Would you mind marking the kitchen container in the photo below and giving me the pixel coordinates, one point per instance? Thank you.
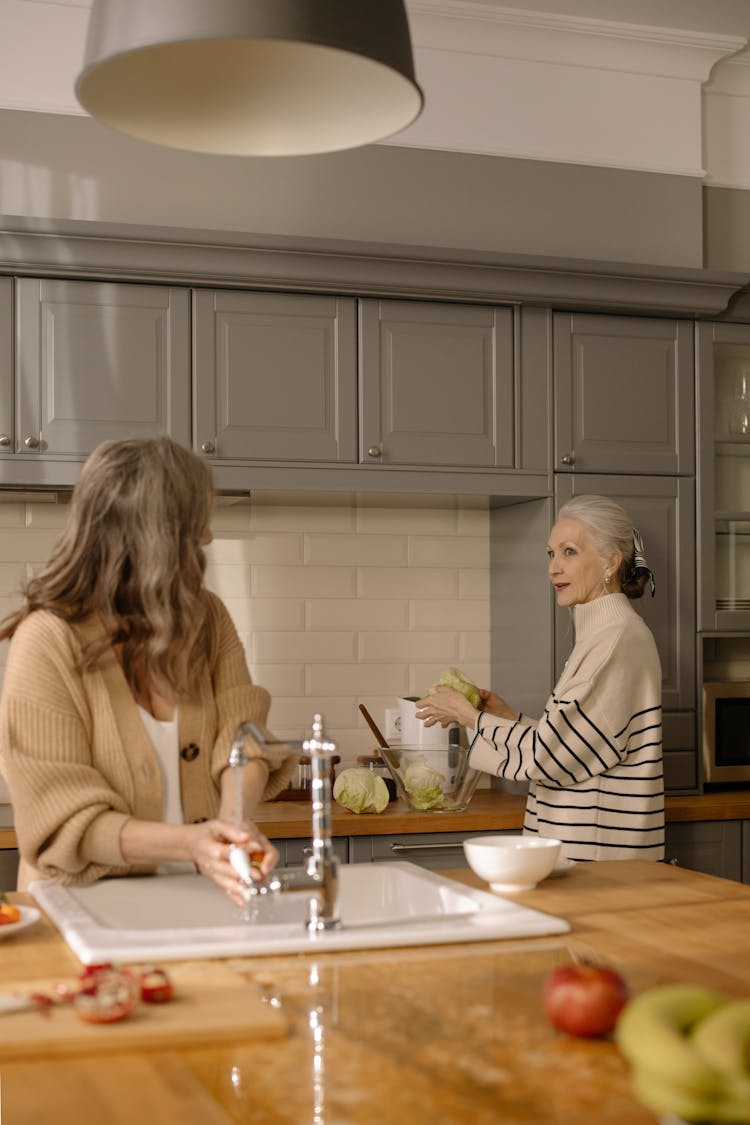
(432, 779)
(298, 788)
(512, 863)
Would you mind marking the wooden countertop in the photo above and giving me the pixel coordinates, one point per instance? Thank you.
(439, 1034)
(489, 811)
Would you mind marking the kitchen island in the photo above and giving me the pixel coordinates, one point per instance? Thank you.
(440, 1035)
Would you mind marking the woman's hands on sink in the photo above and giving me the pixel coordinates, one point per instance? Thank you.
(211, 847)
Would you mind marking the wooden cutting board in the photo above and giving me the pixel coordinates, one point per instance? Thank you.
(211, 1004)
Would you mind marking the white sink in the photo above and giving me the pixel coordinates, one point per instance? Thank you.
(177, 917)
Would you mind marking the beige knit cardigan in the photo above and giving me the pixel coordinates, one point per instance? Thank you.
(77, 758)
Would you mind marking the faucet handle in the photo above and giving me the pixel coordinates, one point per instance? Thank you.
(318, 744)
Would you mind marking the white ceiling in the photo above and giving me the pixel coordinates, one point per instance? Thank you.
(651, 85)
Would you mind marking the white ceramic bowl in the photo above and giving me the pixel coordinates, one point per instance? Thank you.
(512, 863)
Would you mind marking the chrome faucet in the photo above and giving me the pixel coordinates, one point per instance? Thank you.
(319, 878)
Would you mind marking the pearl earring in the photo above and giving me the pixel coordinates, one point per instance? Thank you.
(606, 578)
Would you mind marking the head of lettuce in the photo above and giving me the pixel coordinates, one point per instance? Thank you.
(360, 791)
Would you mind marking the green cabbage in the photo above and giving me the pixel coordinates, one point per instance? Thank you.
(360, 790)
(423, 784)
(451, 677)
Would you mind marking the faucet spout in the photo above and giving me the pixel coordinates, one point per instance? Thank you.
(320, 876)
(322, 864)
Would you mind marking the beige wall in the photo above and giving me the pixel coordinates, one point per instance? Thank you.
(335, 606)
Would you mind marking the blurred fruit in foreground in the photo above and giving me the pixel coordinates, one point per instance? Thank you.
(688, 1050)
(584, 1000)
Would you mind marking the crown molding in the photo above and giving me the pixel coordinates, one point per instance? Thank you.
(101, 252)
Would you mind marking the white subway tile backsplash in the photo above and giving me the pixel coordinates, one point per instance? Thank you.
(278, 550)
(12, 515)
(357, 613)
(11, 577)
(335, 605)
(474, 521)
(279, 519)
(278, 647)
(406, 582)
(229, 581)
(407, 521)
(26, 544)
(280, 614)
(304, 581)
(356, 550)
(284, 681)
(474, 583)
(47, 515)
(293, 718)
(410, 647)
(450, 613)
(474, 648)
(271, 613)
(355, 679)
(467, 551)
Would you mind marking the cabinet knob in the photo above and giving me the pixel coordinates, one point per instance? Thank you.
(375, 451)
(208, 447)
(4, 440)
(568, 459)
(31, 442)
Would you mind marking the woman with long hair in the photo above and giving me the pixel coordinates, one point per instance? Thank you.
(125, 683)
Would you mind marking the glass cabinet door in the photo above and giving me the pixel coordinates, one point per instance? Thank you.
(724, 510)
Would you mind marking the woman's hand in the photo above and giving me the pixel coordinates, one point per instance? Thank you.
(493, 704)
(210, 845)
(446, 706)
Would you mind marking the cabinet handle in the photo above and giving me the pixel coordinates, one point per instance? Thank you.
(568, 459)
(423, 847)
(4, 440)
(375, 451)
(208, 447)
(31, 442)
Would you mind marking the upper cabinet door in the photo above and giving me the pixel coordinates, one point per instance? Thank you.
(436, 384)
(663, 509)
(6, 366)
(624, 395)
(100, 360)
(274, 376)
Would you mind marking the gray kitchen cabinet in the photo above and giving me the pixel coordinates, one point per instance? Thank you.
(294, 852)
(711, 846)
(274, 377)
(624, 394)
(7, 429)
(436, 384)
(724, 481)
(662, 509)
(436, 850)
(98, 360)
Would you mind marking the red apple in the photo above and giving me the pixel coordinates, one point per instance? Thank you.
(584, 1000)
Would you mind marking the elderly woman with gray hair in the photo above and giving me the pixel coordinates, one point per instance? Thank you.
(594, 759)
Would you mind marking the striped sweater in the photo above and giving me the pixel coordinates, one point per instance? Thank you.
(594, 759)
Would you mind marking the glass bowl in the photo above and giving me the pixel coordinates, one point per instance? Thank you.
(433, 779)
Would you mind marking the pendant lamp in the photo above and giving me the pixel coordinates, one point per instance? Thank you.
(251, 77)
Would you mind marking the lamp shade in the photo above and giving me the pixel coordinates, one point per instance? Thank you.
(251, 77)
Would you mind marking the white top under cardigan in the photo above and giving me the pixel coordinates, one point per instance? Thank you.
(164, 738)
(594, 759)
